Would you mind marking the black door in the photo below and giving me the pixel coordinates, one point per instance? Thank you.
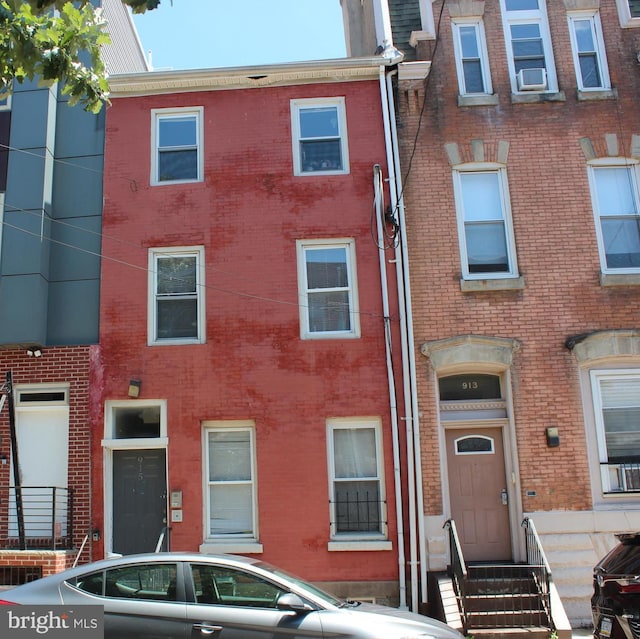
(139, 499)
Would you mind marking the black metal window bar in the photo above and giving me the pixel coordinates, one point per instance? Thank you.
(502, 595)
(620, 477)
(358, 512)
(36, 518)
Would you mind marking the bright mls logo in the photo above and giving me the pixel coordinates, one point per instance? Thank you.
(52, 622)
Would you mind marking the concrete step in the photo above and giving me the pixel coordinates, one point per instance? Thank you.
(511, 633)
(507, 618)
(509, 601)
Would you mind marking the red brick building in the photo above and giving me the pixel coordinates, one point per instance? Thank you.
(250, 403)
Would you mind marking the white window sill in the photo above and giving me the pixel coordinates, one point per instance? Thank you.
(502, 284)
(619, 279)
(535, 97)
(478, 100)
(600, 94)
(249, 547)
(359, 545)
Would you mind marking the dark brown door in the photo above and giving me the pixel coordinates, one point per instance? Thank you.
(478, 493)
(139, 499)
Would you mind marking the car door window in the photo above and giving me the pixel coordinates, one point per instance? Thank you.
(156, 582)
(229, 587)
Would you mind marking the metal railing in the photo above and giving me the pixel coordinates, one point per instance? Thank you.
(502, 595)
(36, 518)
(539, 565)
(621, 477)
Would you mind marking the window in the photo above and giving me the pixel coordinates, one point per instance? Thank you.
(230, 481)
(528, 40)
(230, 587)
(629, 12)
(319, 135)
(472, 63)
(588, 51)
(176, 306)
(487, 245)
(327, 289)
(155, 582)
(357, 500)
(5, 103)
(176, 146)
(616, 207)
(616, 397)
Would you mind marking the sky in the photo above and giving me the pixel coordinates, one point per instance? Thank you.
(194, 34)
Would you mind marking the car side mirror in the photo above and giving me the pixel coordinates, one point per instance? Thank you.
(291, 601)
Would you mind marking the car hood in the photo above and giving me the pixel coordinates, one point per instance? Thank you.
(398, 622)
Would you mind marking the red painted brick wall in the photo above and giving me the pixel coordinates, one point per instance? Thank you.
(248, 214)
(555, 240)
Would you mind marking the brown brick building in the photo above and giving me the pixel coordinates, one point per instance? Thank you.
(519, 137)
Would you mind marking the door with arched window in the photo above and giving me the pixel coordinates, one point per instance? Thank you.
(473, 413)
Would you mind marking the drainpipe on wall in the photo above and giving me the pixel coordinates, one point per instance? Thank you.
(397, 479)
(414, 458)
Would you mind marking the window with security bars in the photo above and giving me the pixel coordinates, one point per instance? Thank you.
(319, 136)
(357, 495)
(616, 396)
(177, 296)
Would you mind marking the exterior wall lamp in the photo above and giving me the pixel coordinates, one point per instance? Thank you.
(34, 351)
(134, 388)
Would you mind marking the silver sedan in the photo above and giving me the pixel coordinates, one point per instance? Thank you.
(189, 595)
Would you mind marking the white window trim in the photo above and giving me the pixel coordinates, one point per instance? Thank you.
(7, 105)
(354, 312)
(357, 541)
(478, 23)
(111, 442)
(626, 21)
(595, 376)
(159, 114)
(634, 167)
(198, 251)
(229, 543)
(487, 167)
(300, 104)
(528, 17)
(601, 54)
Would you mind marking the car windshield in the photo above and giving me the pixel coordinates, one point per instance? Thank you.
(318, 592)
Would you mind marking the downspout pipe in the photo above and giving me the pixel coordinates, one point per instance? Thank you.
(414, 458)
(378, 187)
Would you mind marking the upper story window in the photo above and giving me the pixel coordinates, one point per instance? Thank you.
(472, 62)
(176, 295)
(327, 289)
(629, 12)
(616, 205)
(616, 398)
(319, 136)
(589, 55)
(529, 52)
(176, 146)
(485, 230)
(357, 498)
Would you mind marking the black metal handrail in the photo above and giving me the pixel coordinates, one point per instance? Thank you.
(36, 517)
(458, 569)
(538, 561)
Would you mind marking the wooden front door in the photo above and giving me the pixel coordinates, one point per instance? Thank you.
(139, 499)
(478, 493)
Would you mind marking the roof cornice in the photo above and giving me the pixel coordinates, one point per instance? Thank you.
(185, 81)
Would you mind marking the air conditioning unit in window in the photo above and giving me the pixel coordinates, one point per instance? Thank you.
(532, 79)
